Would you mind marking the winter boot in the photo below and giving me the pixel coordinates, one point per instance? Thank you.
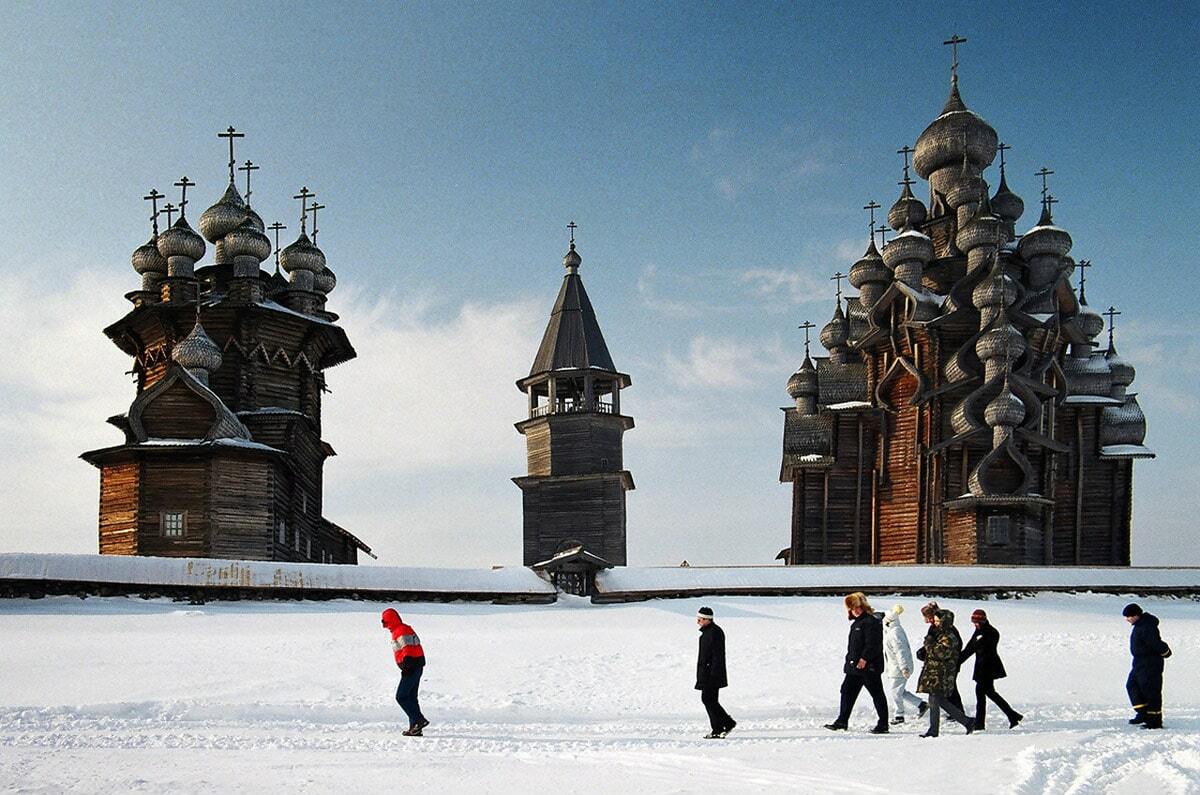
(1153, 720)
(415, 731)
(880, 728)
(836, 727)
(896, 721)
(729, 727)
(1014, 719)
(714, 736)
(422, 723)
(1138, 718)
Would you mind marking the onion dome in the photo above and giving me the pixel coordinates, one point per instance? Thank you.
(836, 332)
(1045, 238)
(1002, 342)
(1088, 320)
(572, 260)
(197, 351)
(181, 241)
(953, 134)
(967, 187)
(302, 255)
(255, 219)
(147, 259)
(869, 268)
(1005, 409)
(803, 382)
(246, 241)
(224, 216)
(907, 246)
(1122, 371)
(982, 229)
(325, 281)
(1006, 204)
(908, 212)
(997, 289)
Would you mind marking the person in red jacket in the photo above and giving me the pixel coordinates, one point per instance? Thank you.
(410, 657)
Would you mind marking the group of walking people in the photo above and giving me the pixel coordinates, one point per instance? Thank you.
(878, 659)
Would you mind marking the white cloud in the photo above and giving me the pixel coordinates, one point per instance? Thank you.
(736, 164)
(722, 363)
(788, 286)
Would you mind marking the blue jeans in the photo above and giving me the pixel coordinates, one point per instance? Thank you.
(406, 695)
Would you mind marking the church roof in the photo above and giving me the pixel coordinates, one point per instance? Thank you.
(573, 339)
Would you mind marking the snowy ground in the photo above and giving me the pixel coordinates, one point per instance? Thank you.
(119, 695)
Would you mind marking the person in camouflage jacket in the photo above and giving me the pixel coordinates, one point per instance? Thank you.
(938, 676)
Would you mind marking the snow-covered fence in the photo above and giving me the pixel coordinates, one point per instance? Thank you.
(630, 584)
(27, 574)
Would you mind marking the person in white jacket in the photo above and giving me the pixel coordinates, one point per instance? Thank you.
(898, 665)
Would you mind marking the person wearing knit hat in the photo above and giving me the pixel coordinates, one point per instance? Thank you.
(898, 666)
(711, 675)
(927, 612)
(1145, 681)
(864, 664)
(988, 668)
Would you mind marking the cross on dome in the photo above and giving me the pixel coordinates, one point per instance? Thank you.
(153, 196)
(277, 228)
(248, 168)
(184, 183)
(231, 133)
(169, 209)
(837, 277)
(572, 226)
(872, 206)
(806, 325)
(954, 41)
(313, 210)
(1112, 314)
(304, 195)
(1083, 265)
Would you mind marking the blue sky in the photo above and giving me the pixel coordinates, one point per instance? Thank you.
(715, 158)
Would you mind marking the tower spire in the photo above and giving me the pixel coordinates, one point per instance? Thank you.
(231, 133)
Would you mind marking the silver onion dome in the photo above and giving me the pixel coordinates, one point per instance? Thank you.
(1002, 342)
(181, 241)
(197, 351)
(147, 259)
(325, 281)
(869, 268)
(956, 132)
(997, 289)
(1045, 238)
(836, 332)
(302, 255)
(1004, 409)
(1007, 204)
(255, 219)
(803, 382)
(907, 246)
(246, 241)
(572, 260)
(1089, 320)
(224, 216)
(1122, 371)
(908, 212)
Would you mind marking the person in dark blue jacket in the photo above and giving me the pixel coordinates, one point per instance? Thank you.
(1146, 674)
(711, 675)
(864, 664)
(988, 668)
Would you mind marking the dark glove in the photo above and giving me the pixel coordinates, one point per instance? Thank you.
(921, 654)
(1166, 653)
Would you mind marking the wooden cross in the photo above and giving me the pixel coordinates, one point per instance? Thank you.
(248, 168)
(572, 226)
(153, 196)
(837, 277)
(184, 183)
(872, 206)
(169, 210)
(231, 134)
(1049, 202)
(806, 325)
(1045, 172)
(1002, 148)
(883, 229)
(1112, 313)
(276, 227)
(304, 196)
(313, 210)
(1083, 265)
(906, 151)
(954, 41)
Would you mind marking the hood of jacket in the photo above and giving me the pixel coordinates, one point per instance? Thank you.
(945, 620)
(391, 619)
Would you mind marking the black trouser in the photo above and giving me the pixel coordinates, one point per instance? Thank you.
(718, 718)
(1145, 691)
(985, 689)
(406, 694)
(955, 699)
(852, 685)
(937, 703)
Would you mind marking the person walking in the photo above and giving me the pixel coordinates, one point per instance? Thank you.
(711, 675)
(410, 657)
(941, 648)
(927, 613)
(1145, 681)
(988, 668)
(898, 665)
(864, 664)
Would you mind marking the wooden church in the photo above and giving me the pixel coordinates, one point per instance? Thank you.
(222, 453)
(966, 412)
(573, 496)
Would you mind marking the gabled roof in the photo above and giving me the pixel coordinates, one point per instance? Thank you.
(573, 339)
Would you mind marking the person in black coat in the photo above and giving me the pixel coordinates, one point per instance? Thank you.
(927, 612)
(864, 664)
(710, 674)
(1146, 675)
(988, 668)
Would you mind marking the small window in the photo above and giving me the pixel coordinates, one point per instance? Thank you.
(297, 539)
(303, 503)
(282, 532)
(173, 524)
(308, 548)
(998, 530)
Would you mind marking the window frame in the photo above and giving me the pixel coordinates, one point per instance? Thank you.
(165, 525)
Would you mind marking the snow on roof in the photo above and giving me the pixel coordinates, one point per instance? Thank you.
(243, 443)
(849, 404)
(1092, 400)
(198, 572)
(1130, 450)
(743, 579)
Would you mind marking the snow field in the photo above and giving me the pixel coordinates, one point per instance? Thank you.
(119, 695)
